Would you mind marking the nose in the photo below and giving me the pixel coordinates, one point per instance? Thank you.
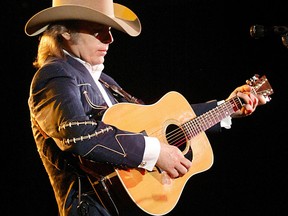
(105, 37)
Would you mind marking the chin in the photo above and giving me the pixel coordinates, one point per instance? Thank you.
(98, 61)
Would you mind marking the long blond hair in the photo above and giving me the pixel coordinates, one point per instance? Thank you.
(51, 41)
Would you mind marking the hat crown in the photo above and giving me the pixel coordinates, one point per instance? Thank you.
(100, 11)
(103, 6)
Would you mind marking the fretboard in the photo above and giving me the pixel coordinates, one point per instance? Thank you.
(210, 118)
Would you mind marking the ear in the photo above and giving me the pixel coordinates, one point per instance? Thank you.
(66, 35)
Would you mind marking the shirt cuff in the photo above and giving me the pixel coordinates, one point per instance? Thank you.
(226, 122)
(151, 153)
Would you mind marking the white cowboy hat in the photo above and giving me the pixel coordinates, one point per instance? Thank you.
(101, 11)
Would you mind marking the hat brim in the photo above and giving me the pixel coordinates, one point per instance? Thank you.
(123, 20)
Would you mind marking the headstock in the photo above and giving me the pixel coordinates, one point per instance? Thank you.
(261, 86)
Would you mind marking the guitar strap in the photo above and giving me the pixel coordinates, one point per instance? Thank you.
(117, 91)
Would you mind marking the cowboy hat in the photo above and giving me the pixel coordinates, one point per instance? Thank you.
(101, 11)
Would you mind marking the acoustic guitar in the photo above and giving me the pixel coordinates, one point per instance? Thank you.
(172, 120)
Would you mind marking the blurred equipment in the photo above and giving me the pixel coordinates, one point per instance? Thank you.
(259, 31)
(284, 39)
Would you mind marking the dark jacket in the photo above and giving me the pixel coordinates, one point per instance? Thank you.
(66, 108)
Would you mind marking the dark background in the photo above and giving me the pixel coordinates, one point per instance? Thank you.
(200, 48)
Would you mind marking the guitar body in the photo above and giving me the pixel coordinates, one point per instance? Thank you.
(153, 191)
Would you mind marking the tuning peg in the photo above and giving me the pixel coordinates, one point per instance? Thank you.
(252, 80)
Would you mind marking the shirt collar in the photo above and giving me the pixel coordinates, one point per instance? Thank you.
(95, 70)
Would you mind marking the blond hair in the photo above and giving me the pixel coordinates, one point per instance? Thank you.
(51, 41)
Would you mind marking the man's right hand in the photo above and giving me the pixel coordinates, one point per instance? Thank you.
(172, 161)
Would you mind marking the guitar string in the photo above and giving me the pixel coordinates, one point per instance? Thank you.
(190, 129)
(196, 128)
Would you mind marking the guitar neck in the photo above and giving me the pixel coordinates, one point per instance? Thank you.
(210, 118)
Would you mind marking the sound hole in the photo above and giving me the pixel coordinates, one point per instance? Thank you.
(175, 136)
